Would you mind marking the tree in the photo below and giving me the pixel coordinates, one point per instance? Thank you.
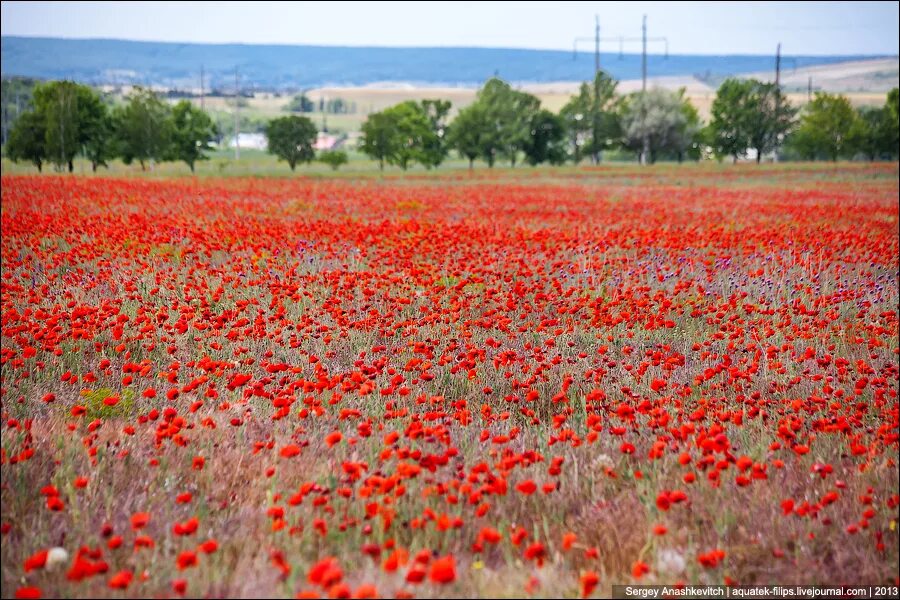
(662, 118)
(291, 139)
(591, 119)
(547, 142)
(748, 113)
(26, 139)
(96, 132)
(870, 134)
(509, 113)
(468, 134)
(875, 131)
(57, 103)
(435, 147)
(143, 128)
(729, 120)
(378, 138)
(412, 131)
(405, 133)
(333, 158)
(192, 132)
(826, 127)
(770, 117)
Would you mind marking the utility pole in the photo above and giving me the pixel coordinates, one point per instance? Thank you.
(596, 44)
(778, 66)
(645, 152)
(809, 90)
(237, 125)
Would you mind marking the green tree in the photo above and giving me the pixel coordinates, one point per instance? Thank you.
(871, 133)
(826, 127)
(510, 113)
(333, 158)
(96, 131)
(748, 113)
(26, 141)
(662, 118)
(547, 142)
(291, 139)
(591, 118)
(378, 137)
(405, 133)
(435, 147)
(729, 123)
(57, 103)
(413, 134)
(770, 116)
(143, 128)
(192, 132)
(469, 135)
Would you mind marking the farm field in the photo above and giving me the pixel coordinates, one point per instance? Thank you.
(505, 383)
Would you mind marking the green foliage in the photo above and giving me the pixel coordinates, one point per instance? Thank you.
(378, 139)
(875, 132)
(75, 120)
(333, 158)
(509, 113)
(96, 131)
(591, 119)
(26, 140)
(547, 140)
(143, 128)
(728, 126)
(747, 113)
(435, 147)
(192, 131)
(664, 118)
(291, 139)
(826, 128)
(471, 135)
(407, 132)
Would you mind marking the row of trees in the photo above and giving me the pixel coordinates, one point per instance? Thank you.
(69, 119)
(508, 124)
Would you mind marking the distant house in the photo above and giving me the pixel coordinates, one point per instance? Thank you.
(249, 141)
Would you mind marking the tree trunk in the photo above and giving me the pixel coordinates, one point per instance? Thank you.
(143, 168)
(471, 163)
(71, 167)
(39, 166)
(734, 159)
(93, 166)
(191, 165)
(758, 157)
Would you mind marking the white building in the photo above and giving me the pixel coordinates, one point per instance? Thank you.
(250, 141)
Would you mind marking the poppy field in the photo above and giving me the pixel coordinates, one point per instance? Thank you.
(513, 384)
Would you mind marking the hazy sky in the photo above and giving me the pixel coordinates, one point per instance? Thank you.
(691, 27)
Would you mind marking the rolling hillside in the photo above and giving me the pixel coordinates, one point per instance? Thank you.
(104, 61)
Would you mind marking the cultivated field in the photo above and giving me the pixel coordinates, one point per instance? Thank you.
(535, 382)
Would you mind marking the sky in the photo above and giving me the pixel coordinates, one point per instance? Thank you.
(803, 28)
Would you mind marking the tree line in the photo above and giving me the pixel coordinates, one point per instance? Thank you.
(68, 119)
(508, 124)
(502, 124)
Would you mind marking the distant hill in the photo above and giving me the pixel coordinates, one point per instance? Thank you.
(103, 61)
